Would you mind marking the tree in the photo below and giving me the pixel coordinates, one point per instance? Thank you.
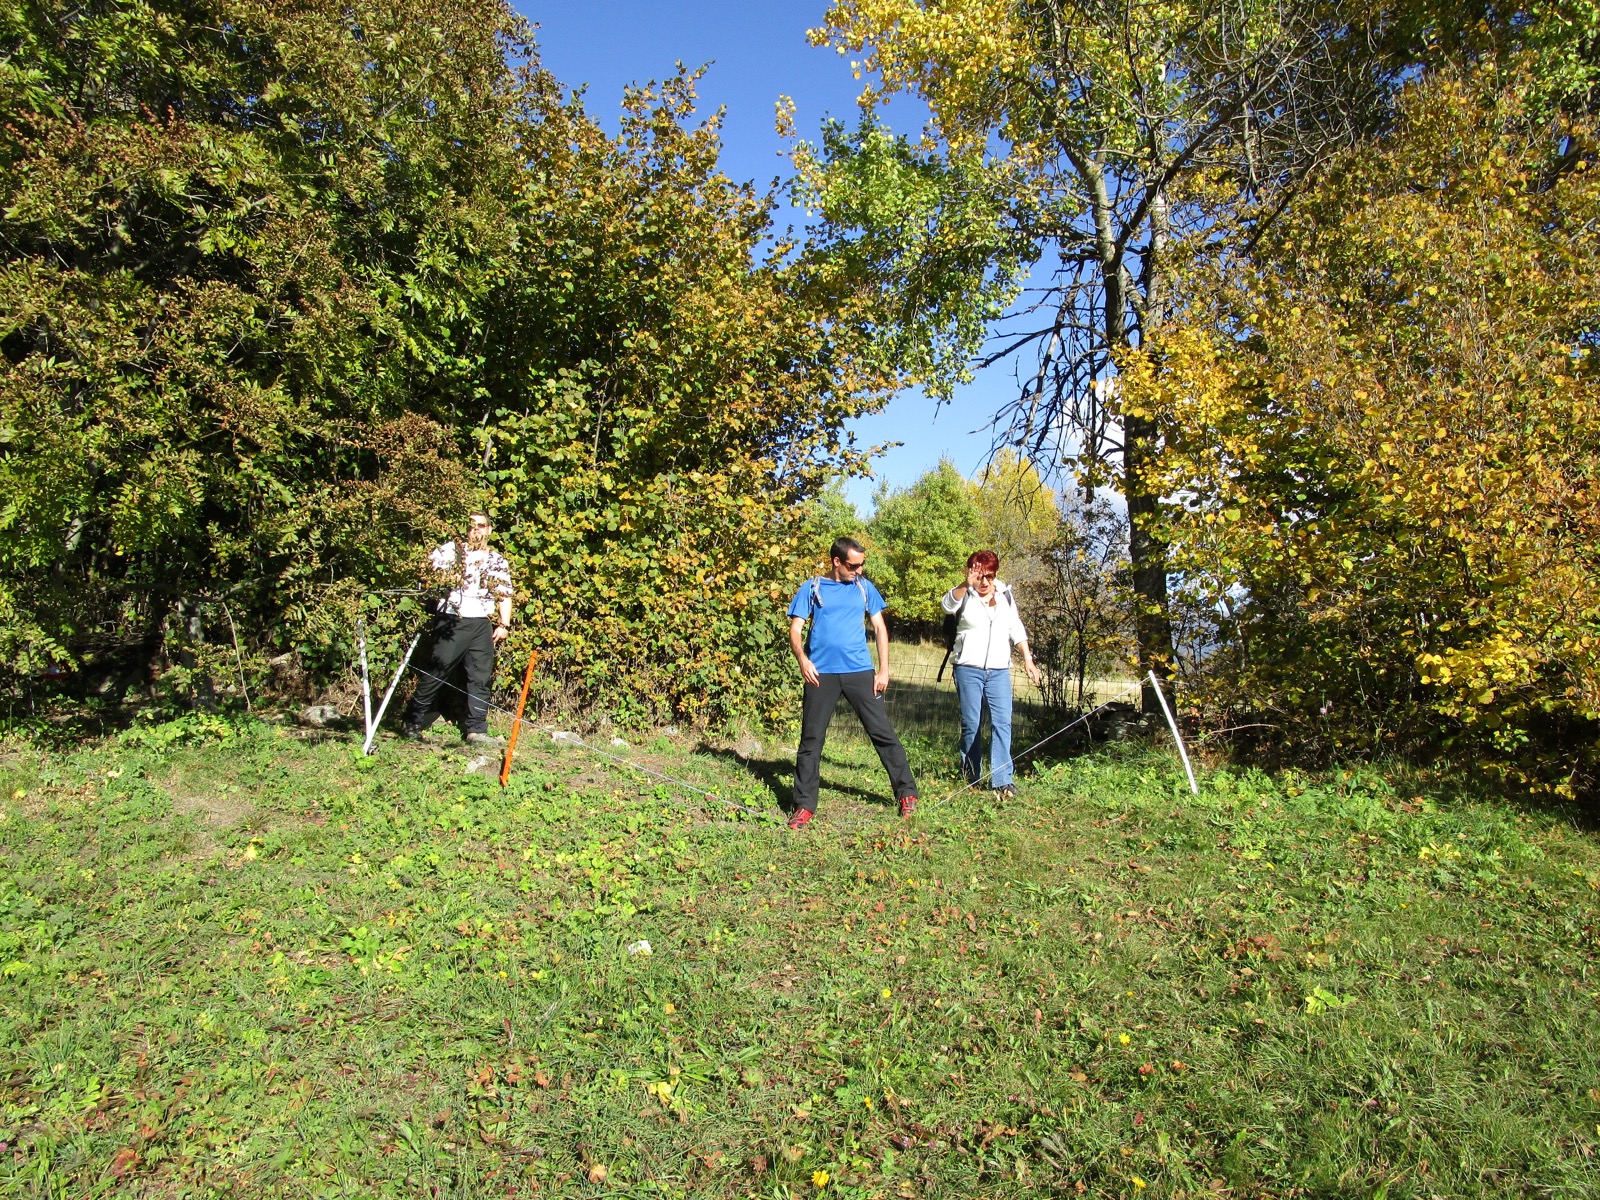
(1017, 514)
(1385, 423)
(921, 537)
(290, 286)
(830, 517)
(238, 253)
(1081, 610)
(666, 397)
(1112, 130)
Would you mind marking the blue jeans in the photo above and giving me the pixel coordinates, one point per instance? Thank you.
(976, 690)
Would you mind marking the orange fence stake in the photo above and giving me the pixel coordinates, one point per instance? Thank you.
(516, 726)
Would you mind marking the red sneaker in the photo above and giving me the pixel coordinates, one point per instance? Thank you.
(801, 818)
(908, 805)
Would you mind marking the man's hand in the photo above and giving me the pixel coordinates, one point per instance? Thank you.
(797, 644)
(500, 634)
(880, 633)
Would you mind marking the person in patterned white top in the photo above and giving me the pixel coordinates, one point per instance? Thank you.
(471, 622)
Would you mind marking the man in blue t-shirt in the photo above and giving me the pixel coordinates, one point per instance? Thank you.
(834, 662)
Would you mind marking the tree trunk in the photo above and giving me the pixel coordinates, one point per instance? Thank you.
(1147, 555)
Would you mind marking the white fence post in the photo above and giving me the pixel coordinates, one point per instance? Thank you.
(1176, 736)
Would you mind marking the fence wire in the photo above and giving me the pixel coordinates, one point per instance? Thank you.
(921, 700)
(922, 706)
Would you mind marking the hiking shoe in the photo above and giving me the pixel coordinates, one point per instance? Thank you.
(410, 733)
(485, 739)
(908, 805)
(1005, 792)
(802, 817)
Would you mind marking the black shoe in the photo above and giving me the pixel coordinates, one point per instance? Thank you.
(411, 733)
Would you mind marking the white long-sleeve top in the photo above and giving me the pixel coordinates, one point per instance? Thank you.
(986, 633)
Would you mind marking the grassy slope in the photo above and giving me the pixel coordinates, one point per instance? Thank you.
(259, 967)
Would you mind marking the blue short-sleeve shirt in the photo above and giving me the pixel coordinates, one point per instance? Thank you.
(838, 642)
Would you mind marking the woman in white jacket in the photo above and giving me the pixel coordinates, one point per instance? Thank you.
(988, 626)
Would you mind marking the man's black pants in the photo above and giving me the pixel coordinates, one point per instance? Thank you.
(468, 641)
(816, 711)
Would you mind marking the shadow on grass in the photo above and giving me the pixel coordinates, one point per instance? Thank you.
(777, 774)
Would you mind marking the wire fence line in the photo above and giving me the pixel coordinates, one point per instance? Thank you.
(921, 699)
(923, 705)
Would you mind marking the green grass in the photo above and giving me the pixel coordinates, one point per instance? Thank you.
(250, 964)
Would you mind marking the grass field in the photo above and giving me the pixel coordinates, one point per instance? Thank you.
(243, 962)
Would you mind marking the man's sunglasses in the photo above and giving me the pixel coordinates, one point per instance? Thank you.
(850, 566)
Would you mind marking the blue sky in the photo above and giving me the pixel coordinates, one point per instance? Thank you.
(757, 52)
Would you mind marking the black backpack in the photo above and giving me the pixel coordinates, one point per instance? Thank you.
(952, 623)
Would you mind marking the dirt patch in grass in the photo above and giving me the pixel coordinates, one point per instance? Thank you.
(216, 810)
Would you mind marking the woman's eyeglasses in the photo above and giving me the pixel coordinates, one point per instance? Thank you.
(986, 578)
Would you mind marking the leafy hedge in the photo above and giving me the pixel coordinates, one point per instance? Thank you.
(288, 287)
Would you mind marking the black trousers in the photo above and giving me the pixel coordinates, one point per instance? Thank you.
(468, 641)
(816, 712)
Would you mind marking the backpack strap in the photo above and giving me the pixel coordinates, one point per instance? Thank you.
(816, 593)
(953, 622)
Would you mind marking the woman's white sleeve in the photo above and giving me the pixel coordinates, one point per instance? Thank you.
(1019, 634)
(949, 603)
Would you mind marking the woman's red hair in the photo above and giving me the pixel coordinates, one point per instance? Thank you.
(988, 560)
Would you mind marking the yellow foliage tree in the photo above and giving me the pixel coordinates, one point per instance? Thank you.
(1017, 513)
(1383, 424)
(1110, 130)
